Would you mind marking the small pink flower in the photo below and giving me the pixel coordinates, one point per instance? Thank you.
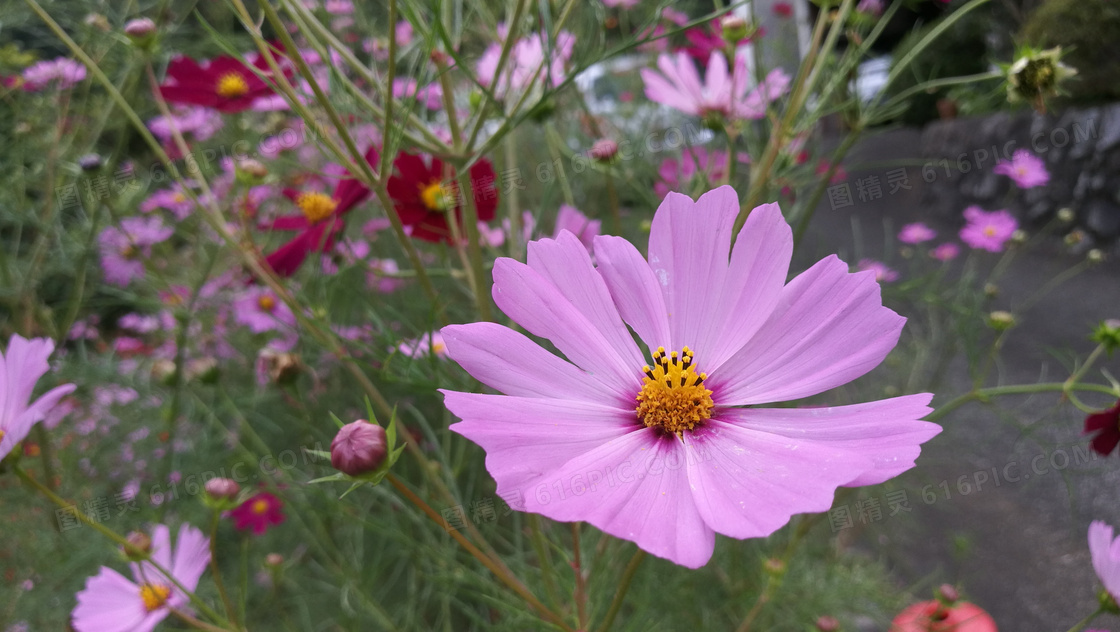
(945, 252)
(1025, 169)
(883, 274)
(20, 368)
(258, 513)
(431, 95)
(259, 309)
(112, 603)
(782, 9)
(570, 219)
(916, 233)
(987, 230)
(61, 72)
(124, 249)
(871, 7)
(680, 175)
(527, 63)
(722, 94)
(428, 344)
(194, 121)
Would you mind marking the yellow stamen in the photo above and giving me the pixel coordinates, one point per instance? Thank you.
(154, 595)
(260, 507)
(232, 85)
(266, 303)
(316, 207)
(673, 397)
(178, 198)
(989, 231)
(129, 252)
(434, 197)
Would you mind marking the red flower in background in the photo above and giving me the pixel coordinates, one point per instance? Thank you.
(258, 513)
(320, 223)
(423, 193)
(1107, 424)
(223, 83)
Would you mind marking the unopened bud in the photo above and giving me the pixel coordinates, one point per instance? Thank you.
(604, 150)
(991, 290)
(828, 624)
(139, 545)
(204, 370)
(98, 21)
(774, 566)
(90, 162)
(222, 489)
(1074, 237)
(358, 448)
(273, 560)
(1019, 237)
(1066, 215)
(734, 28)
(1107, 334)
(1001, 320)
(140, 28)
(439, 57)
(947, 594)
(250, 171)
(281, 367)
(163, 370)
(1094, 256)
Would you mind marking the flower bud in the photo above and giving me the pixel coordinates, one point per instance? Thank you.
(140, 28)
(97, 21)
(139, 546)
(947, 594)
(1066, 215)
(734, 28)
(774, 567)
(1094, 256)
(358, 448)
(604, 150)
(1019, 237)
(222, 489)
(1107, 334)
(249, 171)
(828, 624)
(272, 560)
(1001, 320)
(991, 290)
(163, 370)
(1074, 237)
(90, 162)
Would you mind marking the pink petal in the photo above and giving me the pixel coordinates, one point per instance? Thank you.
(509, 362)
(689, 244)
(634, 289)
(759, 265)
(110, 603)
(533, 302)
(635, 488)
(565, 262)
(1102, 549)
(887, 432)
(192, 554)
(829, 328)
(747, 484)
(660, 90)
(526, 438)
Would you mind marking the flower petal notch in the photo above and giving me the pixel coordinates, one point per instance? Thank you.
(653, 442)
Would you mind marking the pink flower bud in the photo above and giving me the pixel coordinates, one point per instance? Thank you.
(222, 488)
(358, 448)
(140, 27)
(604, 150)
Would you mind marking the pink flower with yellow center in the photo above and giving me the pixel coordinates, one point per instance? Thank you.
(21, 366)
(111, 602)
(663, 441)
(1025, 169)
(987, 230)
(258, 513)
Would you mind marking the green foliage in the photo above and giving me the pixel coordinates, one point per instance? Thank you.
(1090, 31)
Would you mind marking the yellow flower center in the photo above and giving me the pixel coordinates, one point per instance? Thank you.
(266, 303)
(989, 231)
(232, 85)
(673, 397)
(316, 207)
(260, 507)
(154, 595)
(434, 197)
(129, 252)
(178, 198)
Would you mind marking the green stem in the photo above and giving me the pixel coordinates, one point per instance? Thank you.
(1020, 389)
(216, 572)
(1080, 625)
(580, 591)
(621, 590)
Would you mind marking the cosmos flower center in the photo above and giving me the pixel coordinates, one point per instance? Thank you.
(260, 507)
(433, 196)
(316, 207)
(232, 85)
(154, 595)
(266, 303)
(129, 251)
(673, 397)
(178, 198)
(989, 231)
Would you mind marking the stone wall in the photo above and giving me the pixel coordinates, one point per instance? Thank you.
(1081, 149)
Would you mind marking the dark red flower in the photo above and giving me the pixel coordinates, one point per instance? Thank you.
(1107, 424)
(708, 39)
(224, 83)
(320, 223)
(258, 513)
(422, 194)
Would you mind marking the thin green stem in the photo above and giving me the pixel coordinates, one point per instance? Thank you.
(623, 587)
(1020, 389)
(1080, 625)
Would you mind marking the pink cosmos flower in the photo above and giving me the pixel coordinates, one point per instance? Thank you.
(430, 95)
(883, 274)
(669, 451)
(782, 9)
(124, 249)
(527, 64)
(987, 230)
(62, 73)
(678, 174)
(1105, 551)
(916, 233)
(870, 7)
(20, 368)
(259, 309)
(194, 121)
(945, 252)
(572, 220)
(258, 513)
(1025, 169)
(722, 94)
(428, 344)
(111, 602)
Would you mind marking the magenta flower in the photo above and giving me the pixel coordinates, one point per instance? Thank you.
(196, 121)
(1025, 169)
(258, 513)
(1105, 551)
(111, 602)
(677, 175)
(987, 230)
(723, 95)
(124, 249)
(945, 252)
(62, 73)
(916, 233)
(20, 368)
(883, 274)
(259, 309)
(665, 452)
